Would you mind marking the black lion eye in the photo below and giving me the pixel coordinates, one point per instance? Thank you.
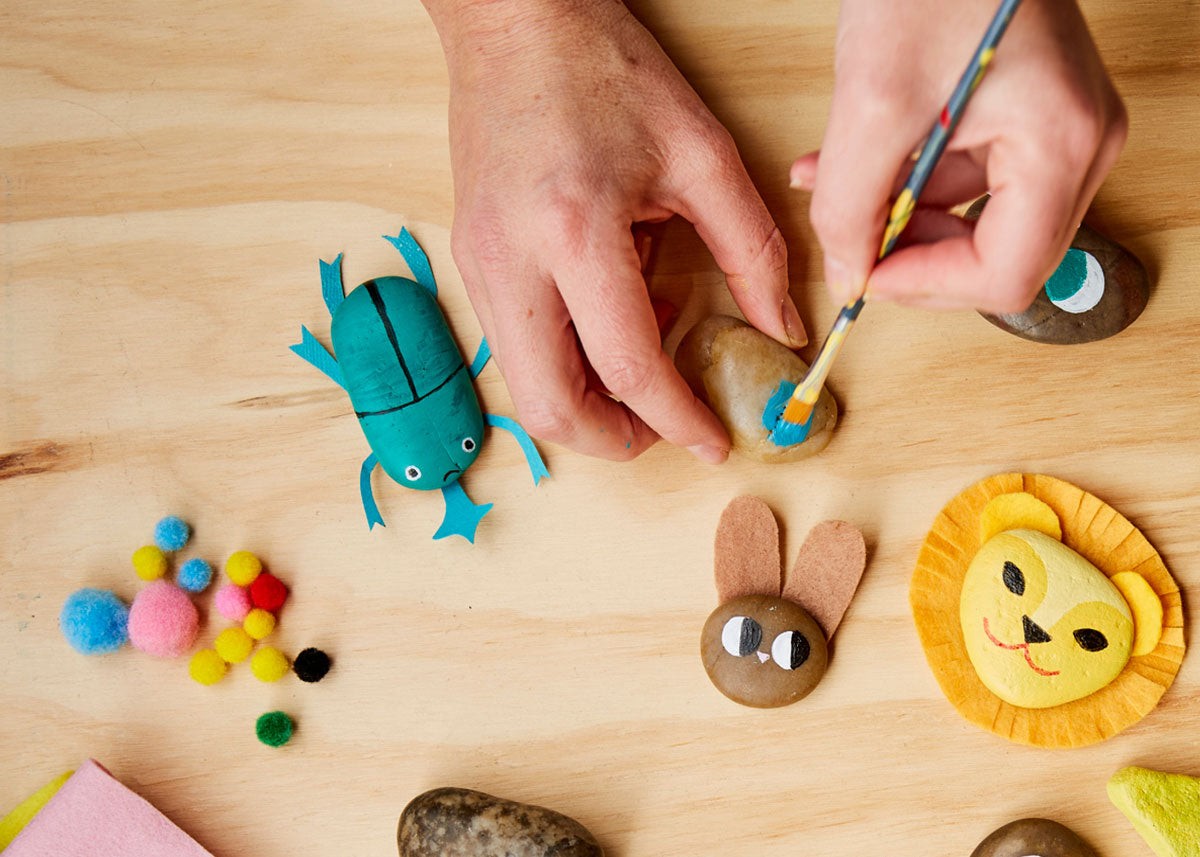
(1091, 640)
(741, 636)
(1014, 579)
(790, 650)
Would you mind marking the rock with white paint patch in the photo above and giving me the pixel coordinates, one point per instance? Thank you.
(455, 822)
(1098, 290)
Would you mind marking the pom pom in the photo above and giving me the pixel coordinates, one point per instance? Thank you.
(94, 621)
(274, 728)
(234, 645)
(242, 567)
(268, 592)
(207, 667)
(311, 665)
(149, 563)
(269, 664)
(259, 623)
(194, 575)
(163, 620)
(233, 602)
(172, 533)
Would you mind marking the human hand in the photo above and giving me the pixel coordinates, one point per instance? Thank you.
(1039, 135)
(568, 124)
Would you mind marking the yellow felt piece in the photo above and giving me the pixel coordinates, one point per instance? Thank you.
(1018, 511)
(1147, 610)
(1108, 541)
(1164, 809)
(1026, 645)
(15, 821)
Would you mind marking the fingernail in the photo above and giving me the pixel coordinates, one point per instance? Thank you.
(709, 454)
(799, 182)
(792, 325)
(842, 283)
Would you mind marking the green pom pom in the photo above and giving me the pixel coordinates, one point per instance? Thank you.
(274, 728)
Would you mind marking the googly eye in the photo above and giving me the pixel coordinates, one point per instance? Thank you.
(1014, 579)
(412, 473)
(468, 444)
(741, 636)
(1077, 284)
(1091, 640)
(790, 650)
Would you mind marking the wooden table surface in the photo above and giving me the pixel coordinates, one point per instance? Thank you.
(170, 175)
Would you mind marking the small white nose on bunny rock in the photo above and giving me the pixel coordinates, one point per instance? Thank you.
(763, 657)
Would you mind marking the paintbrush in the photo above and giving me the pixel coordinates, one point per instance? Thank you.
(792, 421)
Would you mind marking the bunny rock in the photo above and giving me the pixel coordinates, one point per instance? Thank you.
(766, 645)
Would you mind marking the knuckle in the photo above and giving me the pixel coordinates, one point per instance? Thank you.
(482, 239)
(772, 255)
(546, 419)
(564, 220)
(626, 373)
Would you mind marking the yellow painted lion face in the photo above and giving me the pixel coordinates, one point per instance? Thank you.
(1042, 625)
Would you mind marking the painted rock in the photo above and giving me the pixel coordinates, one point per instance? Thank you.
(1033, 837)
(453, 822)
(763, 651)
(1098, 290)
(736, 369)
(1164, 809)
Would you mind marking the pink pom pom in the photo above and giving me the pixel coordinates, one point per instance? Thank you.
(233, 602)
(163, 620)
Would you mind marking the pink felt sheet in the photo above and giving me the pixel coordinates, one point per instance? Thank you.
(93, 815)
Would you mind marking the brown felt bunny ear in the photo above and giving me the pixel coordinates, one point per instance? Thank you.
(827, 572)
(746, 556)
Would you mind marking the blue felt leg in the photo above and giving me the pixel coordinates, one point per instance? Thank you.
(314, 352)
(417, 261)
(331, 284)
(368, 496)
(537, 467)
(462, 515)
(482, 356)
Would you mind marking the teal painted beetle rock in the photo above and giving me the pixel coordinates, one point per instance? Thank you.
(409, 385)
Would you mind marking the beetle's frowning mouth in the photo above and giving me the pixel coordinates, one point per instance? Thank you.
(451, 472)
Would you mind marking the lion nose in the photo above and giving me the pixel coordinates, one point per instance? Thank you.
(1033, 631)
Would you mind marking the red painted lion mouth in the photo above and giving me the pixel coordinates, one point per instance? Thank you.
(1022, 647)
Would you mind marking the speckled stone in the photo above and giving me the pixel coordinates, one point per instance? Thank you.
(735, 368)
(1126, 293)
(454, 822)
(1033, 837)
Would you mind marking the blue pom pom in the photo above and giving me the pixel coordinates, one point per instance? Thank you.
(172, 533)
(194, 575)
(94, 621)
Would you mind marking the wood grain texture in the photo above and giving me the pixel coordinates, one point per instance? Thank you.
(169, 176)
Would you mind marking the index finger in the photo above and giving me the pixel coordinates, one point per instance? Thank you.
(604, 291)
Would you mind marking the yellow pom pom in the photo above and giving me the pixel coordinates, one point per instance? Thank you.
(234, 645)
(242, 567)
(149, 562)
(207, 667)
(269, 664)
(259, 623)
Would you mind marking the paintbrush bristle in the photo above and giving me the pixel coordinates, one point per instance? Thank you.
(797, 412)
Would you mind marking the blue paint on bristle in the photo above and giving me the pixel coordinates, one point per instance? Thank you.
(779, 431)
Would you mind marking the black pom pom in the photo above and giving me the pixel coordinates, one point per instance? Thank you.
(311, 665)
